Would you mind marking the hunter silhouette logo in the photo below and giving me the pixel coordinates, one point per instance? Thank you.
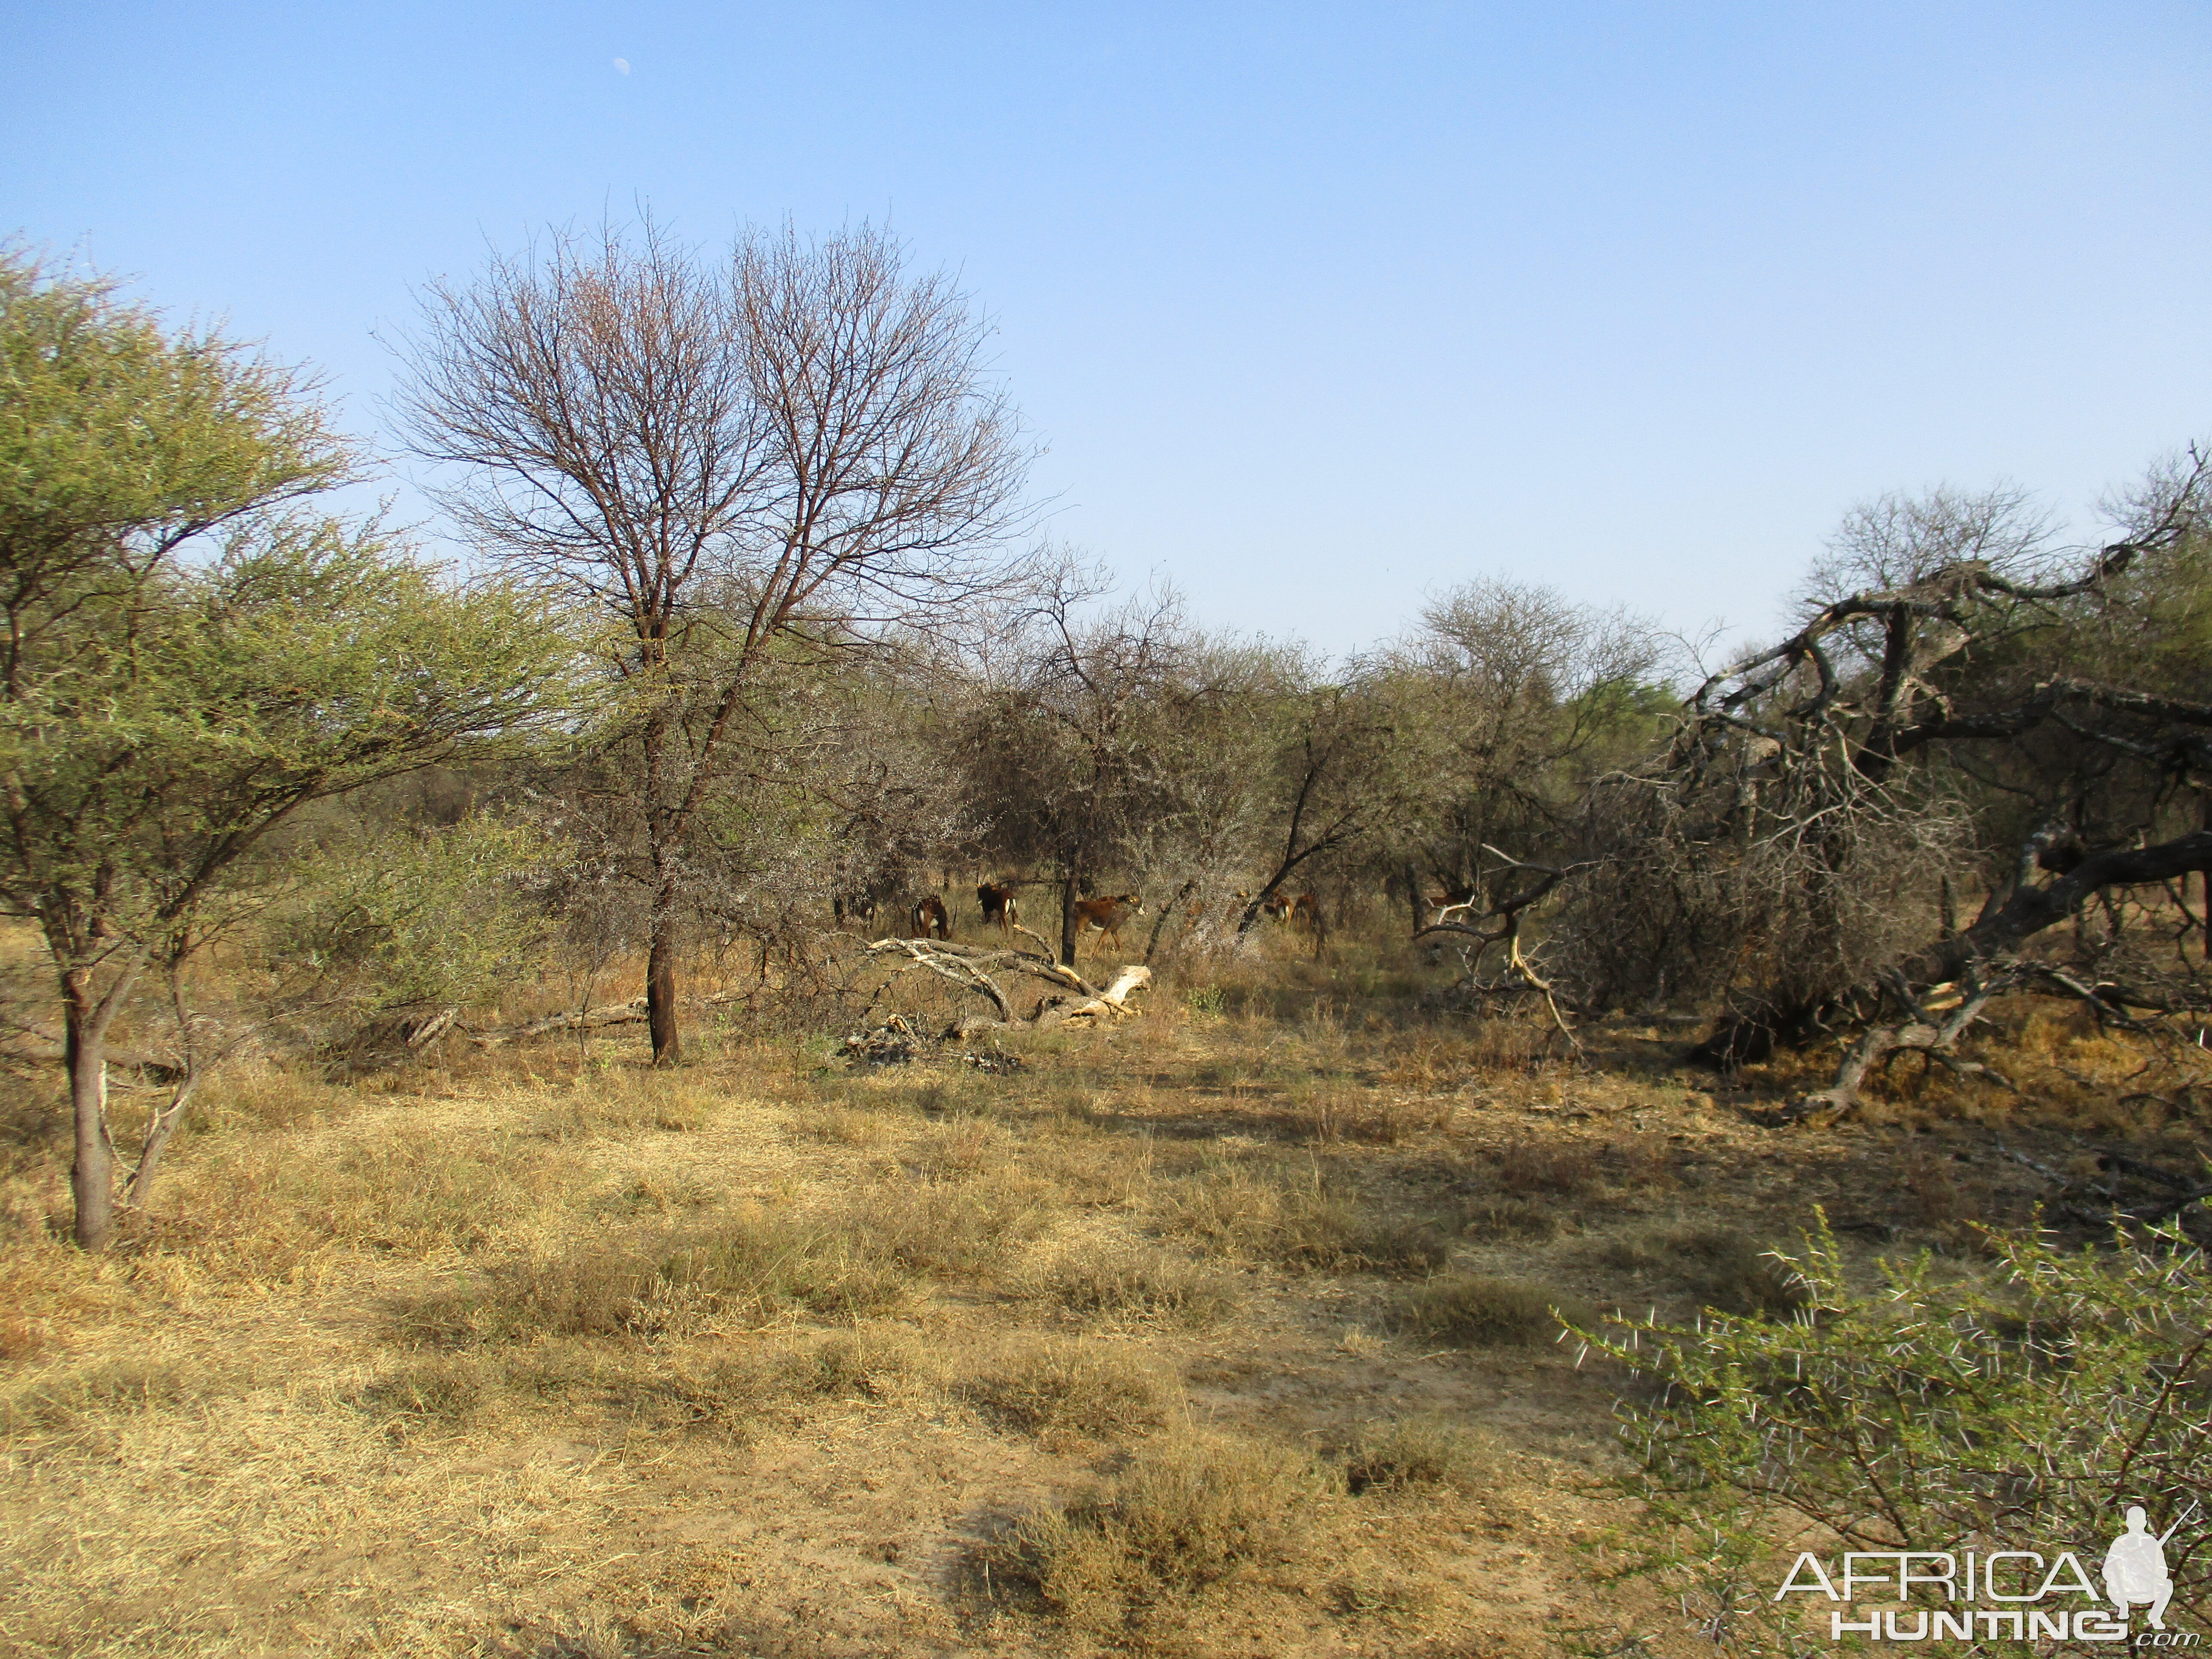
(2034, 1598)
(2134, 1567)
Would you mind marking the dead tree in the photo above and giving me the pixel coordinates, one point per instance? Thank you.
(1796, 831)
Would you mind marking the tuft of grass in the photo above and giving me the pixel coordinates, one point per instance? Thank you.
(1724, 1269)
(1368, 1117)
(731, 1393)
(1299, 1226)
(1183, 1517)
(756, 1265)
(1472, 1311)
(1515, 1044)
(1052, 1383)
(411, 1195)
(953, 1228)
(868, 1363)
(844, 1125)
(1139, 1284)
(1561, 1169)
(448, 1389)
(1507, 1218)
(621, 1102)
(1412, 1452)
(759, 1263)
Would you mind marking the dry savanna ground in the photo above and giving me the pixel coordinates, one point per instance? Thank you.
(1226, 1331)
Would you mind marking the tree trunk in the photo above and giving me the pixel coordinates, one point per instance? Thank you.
(84, 1047)
(660, 979)
(1068, 922)
(2029, 910)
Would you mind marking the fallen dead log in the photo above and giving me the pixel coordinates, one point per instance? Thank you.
(973, 967)
(580, 1019)
(35, 1043)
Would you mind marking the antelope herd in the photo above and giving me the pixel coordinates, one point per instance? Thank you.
(999, 903)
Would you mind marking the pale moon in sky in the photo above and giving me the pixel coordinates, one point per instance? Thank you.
(622, 65)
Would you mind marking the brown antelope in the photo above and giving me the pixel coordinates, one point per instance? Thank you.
(930, 921)
(1452, 898)
(999, 906)
(1107, 915)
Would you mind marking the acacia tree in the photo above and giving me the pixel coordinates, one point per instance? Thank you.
(1345, 769)
(1069, 747)
(1509, 699)
(162, 712)
(792, 450)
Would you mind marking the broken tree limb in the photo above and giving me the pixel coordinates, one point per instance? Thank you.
(1921, 1033)
(966, 966)
(1114, 999)
(961, 966)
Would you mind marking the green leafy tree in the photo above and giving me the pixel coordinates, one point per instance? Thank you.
(190, 655)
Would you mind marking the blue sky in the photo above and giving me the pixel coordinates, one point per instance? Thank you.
(1316, 309)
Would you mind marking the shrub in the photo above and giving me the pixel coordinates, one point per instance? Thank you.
(2018, 1410)
(1185, 1517)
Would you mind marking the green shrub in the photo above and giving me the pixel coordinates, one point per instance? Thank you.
(2018, 1409)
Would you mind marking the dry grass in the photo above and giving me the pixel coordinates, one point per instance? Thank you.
(1184, 1518)
(1117, 1283)
(512, 1354)
(1413, 1452)
(1041, 1383)
(1508, 1218)
(1290, 1217)
(1480, 1310)
(756, 1265)
(1548, 1169)
(1722, 1267)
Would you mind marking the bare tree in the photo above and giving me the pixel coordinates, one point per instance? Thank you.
(789, 451)
(1069, 750)
(1344, 768)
